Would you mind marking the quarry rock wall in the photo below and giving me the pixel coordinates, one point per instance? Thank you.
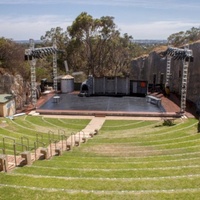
(152, 68)
(15, 85)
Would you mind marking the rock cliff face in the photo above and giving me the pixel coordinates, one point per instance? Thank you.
(153, 69)
(15, 85)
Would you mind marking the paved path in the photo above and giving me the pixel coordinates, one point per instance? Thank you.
(95, 123)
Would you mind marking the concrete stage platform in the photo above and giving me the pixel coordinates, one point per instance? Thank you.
(72, 104)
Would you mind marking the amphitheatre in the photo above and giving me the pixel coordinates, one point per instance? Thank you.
(100, 157)
(51, 150)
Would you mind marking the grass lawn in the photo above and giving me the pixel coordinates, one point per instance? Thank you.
(127, 159)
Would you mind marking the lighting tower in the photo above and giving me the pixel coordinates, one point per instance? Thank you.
(186, 55)
(168, 71)
(55, 81)
(32, 54)
(184, 78)
(33, 75)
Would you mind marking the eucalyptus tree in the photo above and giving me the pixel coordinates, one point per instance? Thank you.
(89, 38)
(59, 35)
(99, 47)
(181, 38)
(94, 46)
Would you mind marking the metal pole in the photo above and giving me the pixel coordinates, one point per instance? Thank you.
(33, 75)
(184, 79)
(184, 86)
(35, 151)
(168, 71)
(14, 147)
(23, 137)
(55, 82)
(4, 146)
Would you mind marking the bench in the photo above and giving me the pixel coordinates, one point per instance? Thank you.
(153, 100)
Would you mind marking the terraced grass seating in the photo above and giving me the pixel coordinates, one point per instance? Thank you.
(35, 132)
(127, 159)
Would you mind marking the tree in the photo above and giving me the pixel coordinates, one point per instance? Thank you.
(193, 34)
(122, 55)
(94, 46)
(177, 39)
(99, 45)
(181, 38)
(85, 31)
(12, 58)
(56, 34)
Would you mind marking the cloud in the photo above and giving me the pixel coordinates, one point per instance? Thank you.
(156, 30)
(26, 27)
(133, 3)
(20, 28)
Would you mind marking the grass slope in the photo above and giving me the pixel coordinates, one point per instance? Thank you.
(126, 160)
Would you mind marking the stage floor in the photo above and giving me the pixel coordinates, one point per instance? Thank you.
(75, 103)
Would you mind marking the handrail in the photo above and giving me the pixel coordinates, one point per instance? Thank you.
(41, 143)
(14, 148)
(4, 146)
(50, 141)
(62, 138)
(41, 136)
(27, 139)
(3, 150)
(72, 139)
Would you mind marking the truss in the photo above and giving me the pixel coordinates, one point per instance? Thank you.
(186, 55)
(32, 54)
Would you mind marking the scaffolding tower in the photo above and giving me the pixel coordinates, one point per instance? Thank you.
(55, 80)
(184, 85)
(186, 56)
(185, 79)
(168, 71)
(32, 54)
(33, 75)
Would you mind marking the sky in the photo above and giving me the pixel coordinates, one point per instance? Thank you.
(142, 19)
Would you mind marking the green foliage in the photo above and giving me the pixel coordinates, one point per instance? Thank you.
(181, 38)
(12, 57)
(168, 122)
(94, 46)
